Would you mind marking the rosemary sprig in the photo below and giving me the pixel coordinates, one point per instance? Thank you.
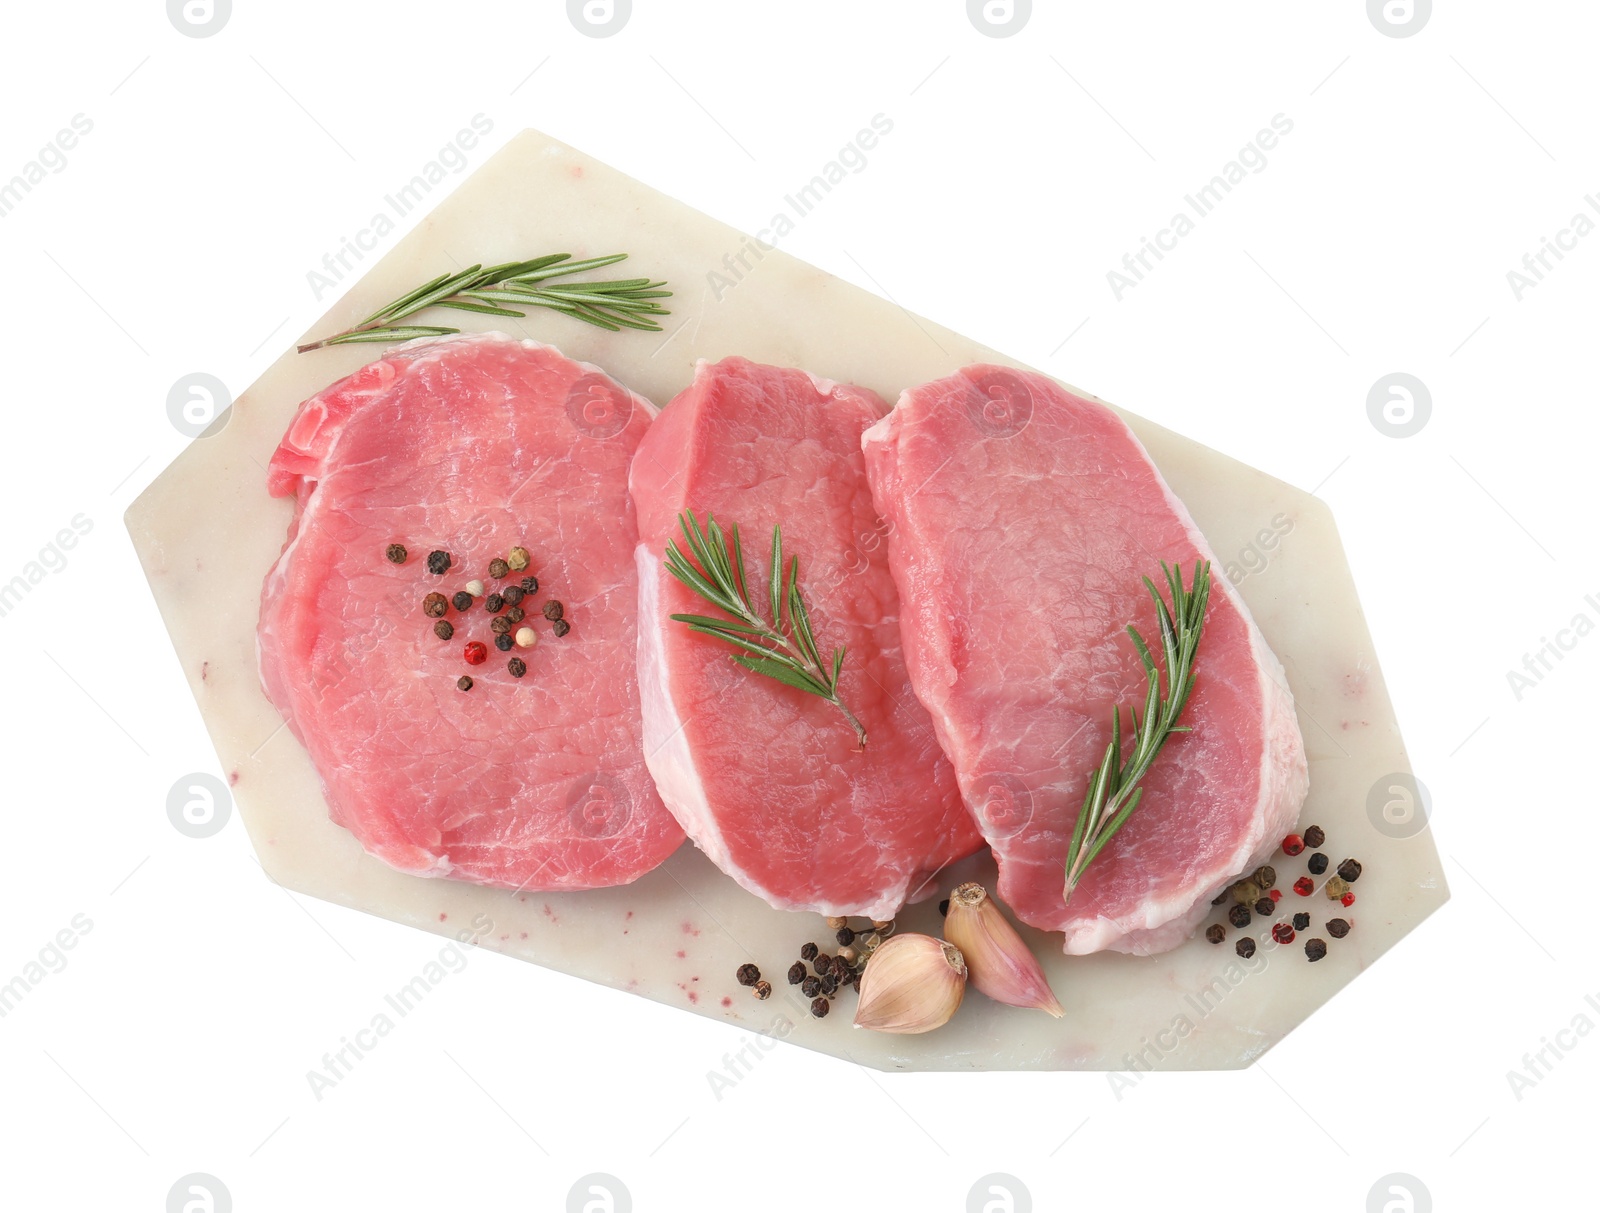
(1113, 788)
(783, 648)
(623, 303)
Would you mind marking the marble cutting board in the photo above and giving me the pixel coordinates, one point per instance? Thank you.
(206, 532)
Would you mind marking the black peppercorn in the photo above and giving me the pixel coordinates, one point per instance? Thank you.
(529, 585)
(808, 951)
(504, 643)
(1314, 836)
(516, 614)
(435, 605)
(1246, 947)
(822, 963)
(819, 1007)
(1350, 870)
(512, 594)
(500, 625)
(1316, 949)
(1338, 928)
(1216, 932)
(811, 987)
(748, 975)
(553, 610)
(830, 984)
(1265, 876)
(944, 907)
(561, 627)
(462, 601)
(1317, 864)
(1302, 922)
(762, 990)
(845, 936)
(396, 552)
(498, 568)
(494, 604)
(463, 683)
(517, 667)
(444, 629)
(438, 562)
(1264, 907)
(1239, 916)
(797, 973)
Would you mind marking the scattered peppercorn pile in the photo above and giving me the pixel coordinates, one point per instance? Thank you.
(828, 976)
(1257, 892)
(503, 604)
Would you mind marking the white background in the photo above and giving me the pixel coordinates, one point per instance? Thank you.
(219, 170)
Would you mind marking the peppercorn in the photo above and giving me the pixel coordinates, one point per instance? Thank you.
(762, 990)
(463, 683)
(1264, 906)
(517, 558)
(1246, 947)
(1216, 932)
(944, 907)
(504, 643)
(500, 625)
(1265, 876)
(1315, 837)
(553, 610)
(1338, 928)
(396, 552)
(1239, 916)
(1317, 864)
(1348, 900)
(475, 588)
(819, 1007)
(1316, 949)
(516, 666)
(561, 627)
(438, 562)
(475, 653)
(845, 961)
(1245, 892)
(830, 984)
(1336, 887)
(797, 973)
(498, 568)
(1304, 886)
(808, 951)
(822, 963)
(526, 638)
(1302, 921)
(512, 594)
(1283, 933)
(461, 600)
(529, 585)
(1350, 870)
(845, 935)
(811, 987)
(444, 629)
(494, 604)
(882, 924)
(1216, 901)
(748, 975)
(516, 614)
(872, 941)
(1293, 844)
(435, 605)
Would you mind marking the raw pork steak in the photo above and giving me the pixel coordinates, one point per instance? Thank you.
(1022, 519)
(766, 779)
(472, 445)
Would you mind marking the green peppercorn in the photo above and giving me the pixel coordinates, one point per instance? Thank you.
(517, 667)
(435, 605)
(504, 643)
(1350, 870)
(748, 975)
(797, 973)
(561, 627)
(1246, 947)
(463, 683)
(819, 1007)
(498, 568)
(1316, 949)
(553, 610)
(461, 600)
(1265, 876)
(1314, 836)
(1216, 932)
(1239, 916)
(517, 558)
(1338, 928)
(1246, 892)
(1317, 864)
(444, 629)
(1336, 887)
(396, 552)
(494, 603)
(438, 562)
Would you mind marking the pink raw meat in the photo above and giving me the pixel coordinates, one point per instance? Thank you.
(1022, 518)
(472, 445)
(768, 780)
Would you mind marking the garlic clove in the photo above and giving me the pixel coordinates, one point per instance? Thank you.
(998, 961)
(912, 983)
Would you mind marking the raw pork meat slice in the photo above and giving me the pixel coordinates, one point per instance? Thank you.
(471, 445)
(766, 779)
(1022, 519)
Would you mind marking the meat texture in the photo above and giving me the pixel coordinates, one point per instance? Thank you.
(1021, 521)
(768, 780)
(471, 445)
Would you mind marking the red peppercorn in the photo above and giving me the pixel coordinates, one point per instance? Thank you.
(1304, 886)
(1283, 933)
(475, 653)
(1293, 844)
(1275, 894)
(1349, 899)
